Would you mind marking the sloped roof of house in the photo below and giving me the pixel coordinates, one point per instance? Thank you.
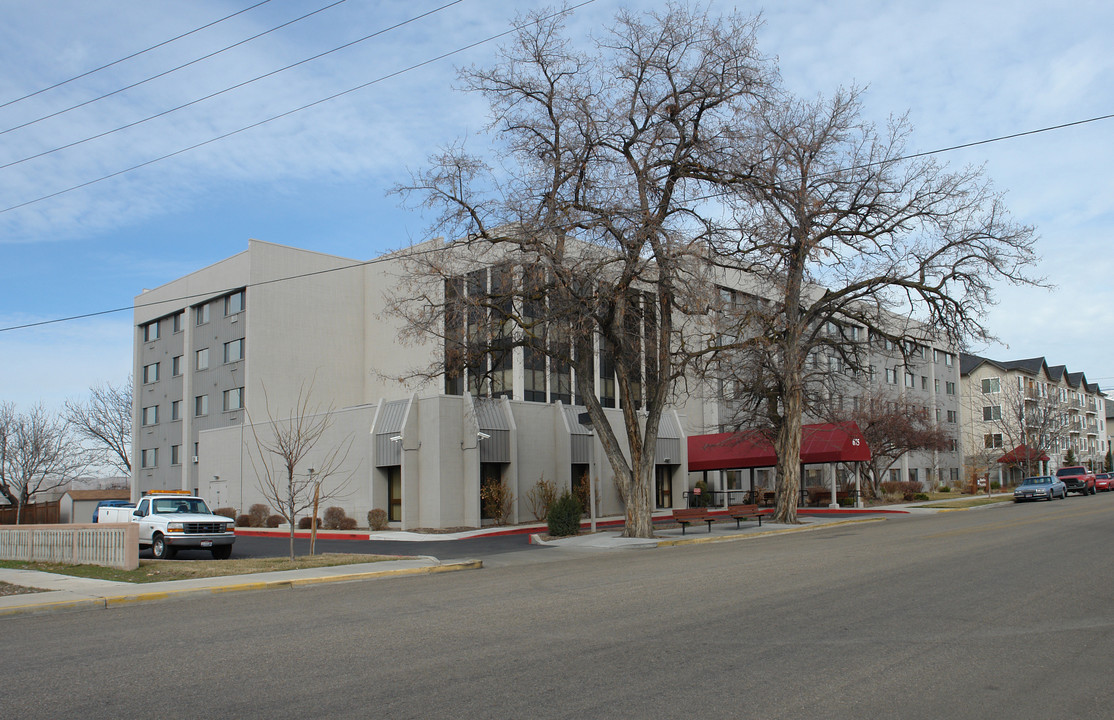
(1030, 366)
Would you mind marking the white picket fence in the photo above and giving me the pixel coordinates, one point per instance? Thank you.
(108, 544)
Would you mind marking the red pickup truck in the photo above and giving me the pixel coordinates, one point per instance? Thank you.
(1077, 479)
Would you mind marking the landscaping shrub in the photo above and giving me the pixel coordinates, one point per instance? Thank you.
(333, 517)
(347, 523)
(564, 516)
(227, 512)
(273, 521)
(306, 522)
(497, 501)
(846, 502)
(541, 497)
(704, 498)
(995, 485)
(920, 497)
(259, 514)
(243, 521)
(377, 519)
(944, 488)
(905, 489)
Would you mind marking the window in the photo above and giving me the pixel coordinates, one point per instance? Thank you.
(201, 313)
(151, 373)
(992, 412)
(178, 321)
(924, 382)
(910, 380)
(202, 359)
(949, 388)
(151, 331)
(951, 416)
(176, 366)
(953, 444)
(948, 359)
(234, 350)
(936, 386)
(991, 385)
(992, 440)
(175, 454)
(151, 415)
(175, 409)
(234, 399)
(149, 458)
(234, 303)
(891, 376)
(201, 405)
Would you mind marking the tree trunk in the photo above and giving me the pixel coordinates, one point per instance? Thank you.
(788, 444)
(639, 518)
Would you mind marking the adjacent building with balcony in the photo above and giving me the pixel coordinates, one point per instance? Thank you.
(1023, 417)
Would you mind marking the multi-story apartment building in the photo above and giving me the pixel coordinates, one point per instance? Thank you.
(1023, 416)
(222, 352)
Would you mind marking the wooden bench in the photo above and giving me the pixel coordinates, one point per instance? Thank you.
(738, 512)
(684, 516)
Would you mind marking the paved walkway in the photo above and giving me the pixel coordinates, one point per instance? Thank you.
(66, 593)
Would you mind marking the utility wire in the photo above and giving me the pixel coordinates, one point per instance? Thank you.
(416, 253)
(133, 55)
(395, 255)
(284, 114)
(234, 87)
(162, 74)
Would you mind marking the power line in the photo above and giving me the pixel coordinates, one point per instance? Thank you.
(233, 87)
(414, 253)
(155, 77)
(284, 114)
(193, 296)
(133, 55)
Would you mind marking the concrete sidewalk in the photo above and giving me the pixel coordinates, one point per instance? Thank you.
(66, 593)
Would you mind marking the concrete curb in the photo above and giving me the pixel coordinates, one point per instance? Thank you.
(30, 604)
(762, 533)
(612, 543)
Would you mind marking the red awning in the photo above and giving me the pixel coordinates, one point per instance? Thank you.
(1023, 453)
(824, 443)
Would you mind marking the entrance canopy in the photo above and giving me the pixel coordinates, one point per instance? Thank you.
(823, 443)
(1023, 453)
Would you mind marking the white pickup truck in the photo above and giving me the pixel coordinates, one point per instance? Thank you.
(171, 521)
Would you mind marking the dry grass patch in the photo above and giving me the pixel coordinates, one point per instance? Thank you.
(968, 502)
(164, 570)
(10, 589)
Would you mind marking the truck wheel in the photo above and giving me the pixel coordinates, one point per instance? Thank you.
(160, 549)
(221, 552)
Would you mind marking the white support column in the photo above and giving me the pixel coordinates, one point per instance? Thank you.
(858, 490)
(831, 470)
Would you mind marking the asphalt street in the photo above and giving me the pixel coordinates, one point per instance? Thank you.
(1002, 612)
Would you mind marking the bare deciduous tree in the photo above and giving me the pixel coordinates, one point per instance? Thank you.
(841, 230)
(595, 211)
(892, 426)
(105, 421)
(281, 447)
(37, 454)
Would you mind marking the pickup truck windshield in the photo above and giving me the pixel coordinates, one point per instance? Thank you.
(180, 505)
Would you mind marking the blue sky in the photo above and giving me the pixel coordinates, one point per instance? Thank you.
(965, 71)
